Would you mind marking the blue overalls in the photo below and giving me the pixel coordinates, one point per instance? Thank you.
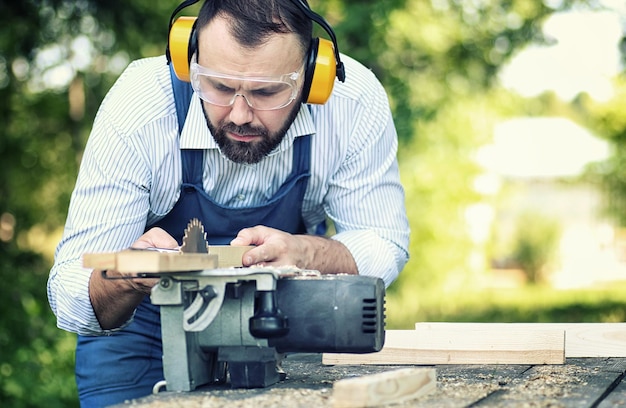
(127, 364)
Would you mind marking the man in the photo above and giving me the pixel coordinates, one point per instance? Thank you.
(253, 162)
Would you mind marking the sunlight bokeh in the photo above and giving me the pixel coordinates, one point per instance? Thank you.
(583, 56)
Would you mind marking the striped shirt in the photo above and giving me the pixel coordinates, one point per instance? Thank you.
(130, 177)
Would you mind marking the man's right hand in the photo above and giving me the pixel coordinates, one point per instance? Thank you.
(115, 300)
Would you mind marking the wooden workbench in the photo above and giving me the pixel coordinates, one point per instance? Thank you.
(580, 382)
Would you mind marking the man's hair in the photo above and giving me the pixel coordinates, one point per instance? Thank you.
(253, 21)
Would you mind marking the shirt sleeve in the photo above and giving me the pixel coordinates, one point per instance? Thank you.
(107, 212)
(365, 198)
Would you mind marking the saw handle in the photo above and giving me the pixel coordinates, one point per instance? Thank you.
(268, 321)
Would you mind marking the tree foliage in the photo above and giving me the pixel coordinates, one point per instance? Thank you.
(608, 120)
(57, 59)
(535, 243)
(437, 59)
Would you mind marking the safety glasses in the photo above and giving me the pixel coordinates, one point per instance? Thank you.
(261, 93)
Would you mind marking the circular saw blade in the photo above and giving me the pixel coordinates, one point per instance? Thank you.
(194, 239)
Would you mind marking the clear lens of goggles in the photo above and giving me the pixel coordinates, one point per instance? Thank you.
(262, 93)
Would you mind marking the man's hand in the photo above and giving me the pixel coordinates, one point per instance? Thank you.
(114, 301)
(156, 238)
(153, 238)
(278, 248)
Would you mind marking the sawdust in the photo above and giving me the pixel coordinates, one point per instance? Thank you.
(310, 385)
(270, 398)
(554, 384)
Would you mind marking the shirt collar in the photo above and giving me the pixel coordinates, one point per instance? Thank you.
(196, 133)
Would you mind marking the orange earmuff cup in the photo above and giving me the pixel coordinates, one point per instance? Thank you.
(180, 35)
(323, 74)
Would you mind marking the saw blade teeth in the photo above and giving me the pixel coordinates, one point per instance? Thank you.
(194, 238)
(203, 232)
(194, 222)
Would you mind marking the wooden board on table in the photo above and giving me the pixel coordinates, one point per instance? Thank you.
(389, 387)
(581, 339)
(594, 339)
(484, 344)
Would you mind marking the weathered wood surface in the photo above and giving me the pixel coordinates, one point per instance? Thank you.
(580, 382)
(617, 396)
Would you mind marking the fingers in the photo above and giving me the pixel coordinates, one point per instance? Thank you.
(260, 255)
(272, 247)
(253, 236)
(155, 238)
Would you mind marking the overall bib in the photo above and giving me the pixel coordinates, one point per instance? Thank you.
(127, 364)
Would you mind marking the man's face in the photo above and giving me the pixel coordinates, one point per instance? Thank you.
(245, 134)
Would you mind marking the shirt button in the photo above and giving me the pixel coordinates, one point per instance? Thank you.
(241, 197)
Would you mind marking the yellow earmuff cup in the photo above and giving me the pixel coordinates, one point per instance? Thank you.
(324, 73)
(180, 33)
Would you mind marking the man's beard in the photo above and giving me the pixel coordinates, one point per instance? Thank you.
(248, 152)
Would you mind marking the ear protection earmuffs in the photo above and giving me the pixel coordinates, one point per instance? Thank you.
(323, 63)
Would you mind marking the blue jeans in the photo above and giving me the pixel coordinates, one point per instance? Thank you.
(122, 366)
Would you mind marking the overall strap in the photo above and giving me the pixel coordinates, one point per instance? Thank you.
(182, 98)
(192, 159)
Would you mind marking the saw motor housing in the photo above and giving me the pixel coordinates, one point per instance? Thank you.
(236, 323)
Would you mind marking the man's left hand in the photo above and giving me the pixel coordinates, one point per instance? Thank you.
(278, 248)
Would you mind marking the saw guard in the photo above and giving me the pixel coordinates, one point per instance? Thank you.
(199, 314)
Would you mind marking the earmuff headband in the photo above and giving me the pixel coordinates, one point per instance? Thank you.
(321, 21)
(323, 63)
(177, 10)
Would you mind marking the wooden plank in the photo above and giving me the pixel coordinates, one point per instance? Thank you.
(101, 261)
(390, 387)
(594, 339)
(228, 256)
(484, 344)
(137, 261)
(581, 339)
